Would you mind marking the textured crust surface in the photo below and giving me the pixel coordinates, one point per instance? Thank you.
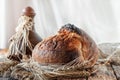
(65, 47)
(58, 49)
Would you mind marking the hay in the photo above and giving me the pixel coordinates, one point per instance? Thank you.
(33, 71)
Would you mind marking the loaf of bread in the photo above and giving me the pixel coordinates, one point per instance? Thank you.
(69, 44)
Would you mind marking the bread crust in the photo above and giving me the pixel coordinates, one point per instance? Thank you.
(65, 47)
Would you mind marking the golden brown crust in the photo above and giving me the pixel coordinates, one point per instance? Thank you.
(89, 49)
(65, 47)
(57, 49)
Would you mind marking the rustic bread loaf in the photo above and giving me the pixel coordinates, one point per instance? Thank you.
(70, 43)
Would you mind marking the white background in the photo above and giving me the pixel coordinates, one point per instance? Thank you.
(99, 18)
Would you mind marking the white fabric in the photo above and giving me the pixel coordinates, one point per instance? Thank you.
(99, 18)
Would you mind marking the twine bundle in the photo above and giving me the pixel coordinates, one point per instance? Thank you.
(20, 40)
(33, 71)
